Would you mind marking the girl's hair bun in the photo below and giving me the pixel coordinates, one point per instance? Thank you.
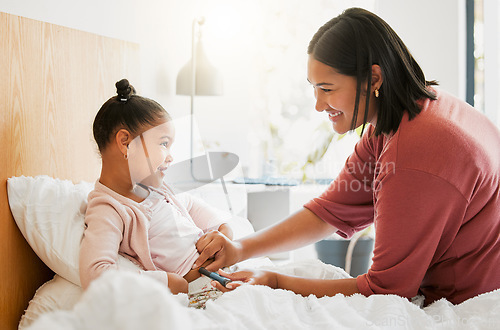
(124, 90)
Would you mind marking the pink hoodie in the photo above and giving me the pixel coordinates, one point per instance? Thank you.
(119, 225)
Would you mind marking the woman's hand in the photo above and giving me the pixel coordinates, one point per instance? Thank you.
(219, 247)
(253, 277)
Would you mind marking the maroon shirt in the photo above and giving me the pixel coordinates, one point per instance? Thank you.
(432, 191)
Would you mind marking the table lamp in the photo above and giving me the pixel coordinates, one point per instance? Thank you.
(199, 77)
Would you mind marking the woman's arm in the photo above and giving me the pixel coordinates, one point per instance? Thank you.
(298, 230)
(317, 287)
(299, 285)
(349, 208)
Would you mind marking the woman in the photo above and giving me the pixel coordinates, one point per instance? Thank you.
(426, 173)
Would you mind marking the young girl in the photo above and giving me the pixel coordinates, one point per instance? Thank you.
(131, 211)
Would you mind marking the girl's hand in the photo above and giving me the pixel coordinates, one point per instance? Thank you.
(219, 247)
(177, 284)
(252, 277)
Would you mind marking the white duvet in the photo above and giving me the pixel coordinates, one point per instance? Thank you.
(124, 300)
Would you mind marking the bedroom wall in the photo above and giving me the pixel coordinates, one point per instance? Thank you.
(163, 30)
(434, 31)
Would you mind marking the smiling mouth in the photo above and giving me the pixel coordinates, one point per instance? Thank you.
(333, 115)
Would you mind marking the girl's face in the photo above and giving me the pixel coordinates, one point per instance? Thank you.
(149, 154)
(335, 93)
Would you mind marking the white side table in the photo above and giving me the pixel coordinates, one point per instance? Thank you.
(267, 205)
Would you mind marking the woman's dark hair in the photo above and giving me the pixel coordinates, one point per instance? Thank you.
(355, 40)
(126, 110)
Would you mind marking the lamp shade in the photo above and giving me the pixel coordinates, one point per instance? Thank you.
(208, 80)
(198, 171)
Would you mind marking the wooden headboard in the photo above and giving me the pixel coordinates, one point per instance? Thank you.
(53, 81)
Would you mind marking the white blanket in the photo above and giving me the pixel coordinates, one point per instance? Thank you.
(123, 300)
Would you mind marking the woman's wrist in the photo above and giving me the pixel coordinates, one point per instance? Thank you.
(273, 280)
(244, 249)
(239, 251)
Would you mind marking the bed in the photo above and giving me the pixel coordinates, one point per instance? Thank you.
(53, 81)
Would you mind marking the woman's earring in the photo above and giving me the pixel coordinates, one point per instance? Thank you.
(126, 153)
(377, 93)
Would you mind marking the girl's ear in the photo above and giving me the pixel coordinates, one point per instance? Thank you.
(377, 78)
(123, 138)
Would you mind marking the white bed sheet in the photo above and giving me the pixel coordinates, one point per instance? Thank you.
(123, 300)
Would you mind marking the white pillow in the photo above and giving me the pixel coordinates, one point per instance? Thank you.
(50, 214)
(56, 294)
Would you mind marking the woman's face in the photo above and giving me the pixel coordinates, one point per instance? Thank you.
(335, 93)
(149, 154)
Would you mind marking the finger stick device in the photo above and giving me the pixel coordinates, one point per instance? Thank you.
(214, 276)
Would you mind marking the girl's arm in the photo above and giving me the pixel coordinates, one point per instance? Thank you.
(101, 243)
(226, 230)
(177, 283)
(204, 215)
